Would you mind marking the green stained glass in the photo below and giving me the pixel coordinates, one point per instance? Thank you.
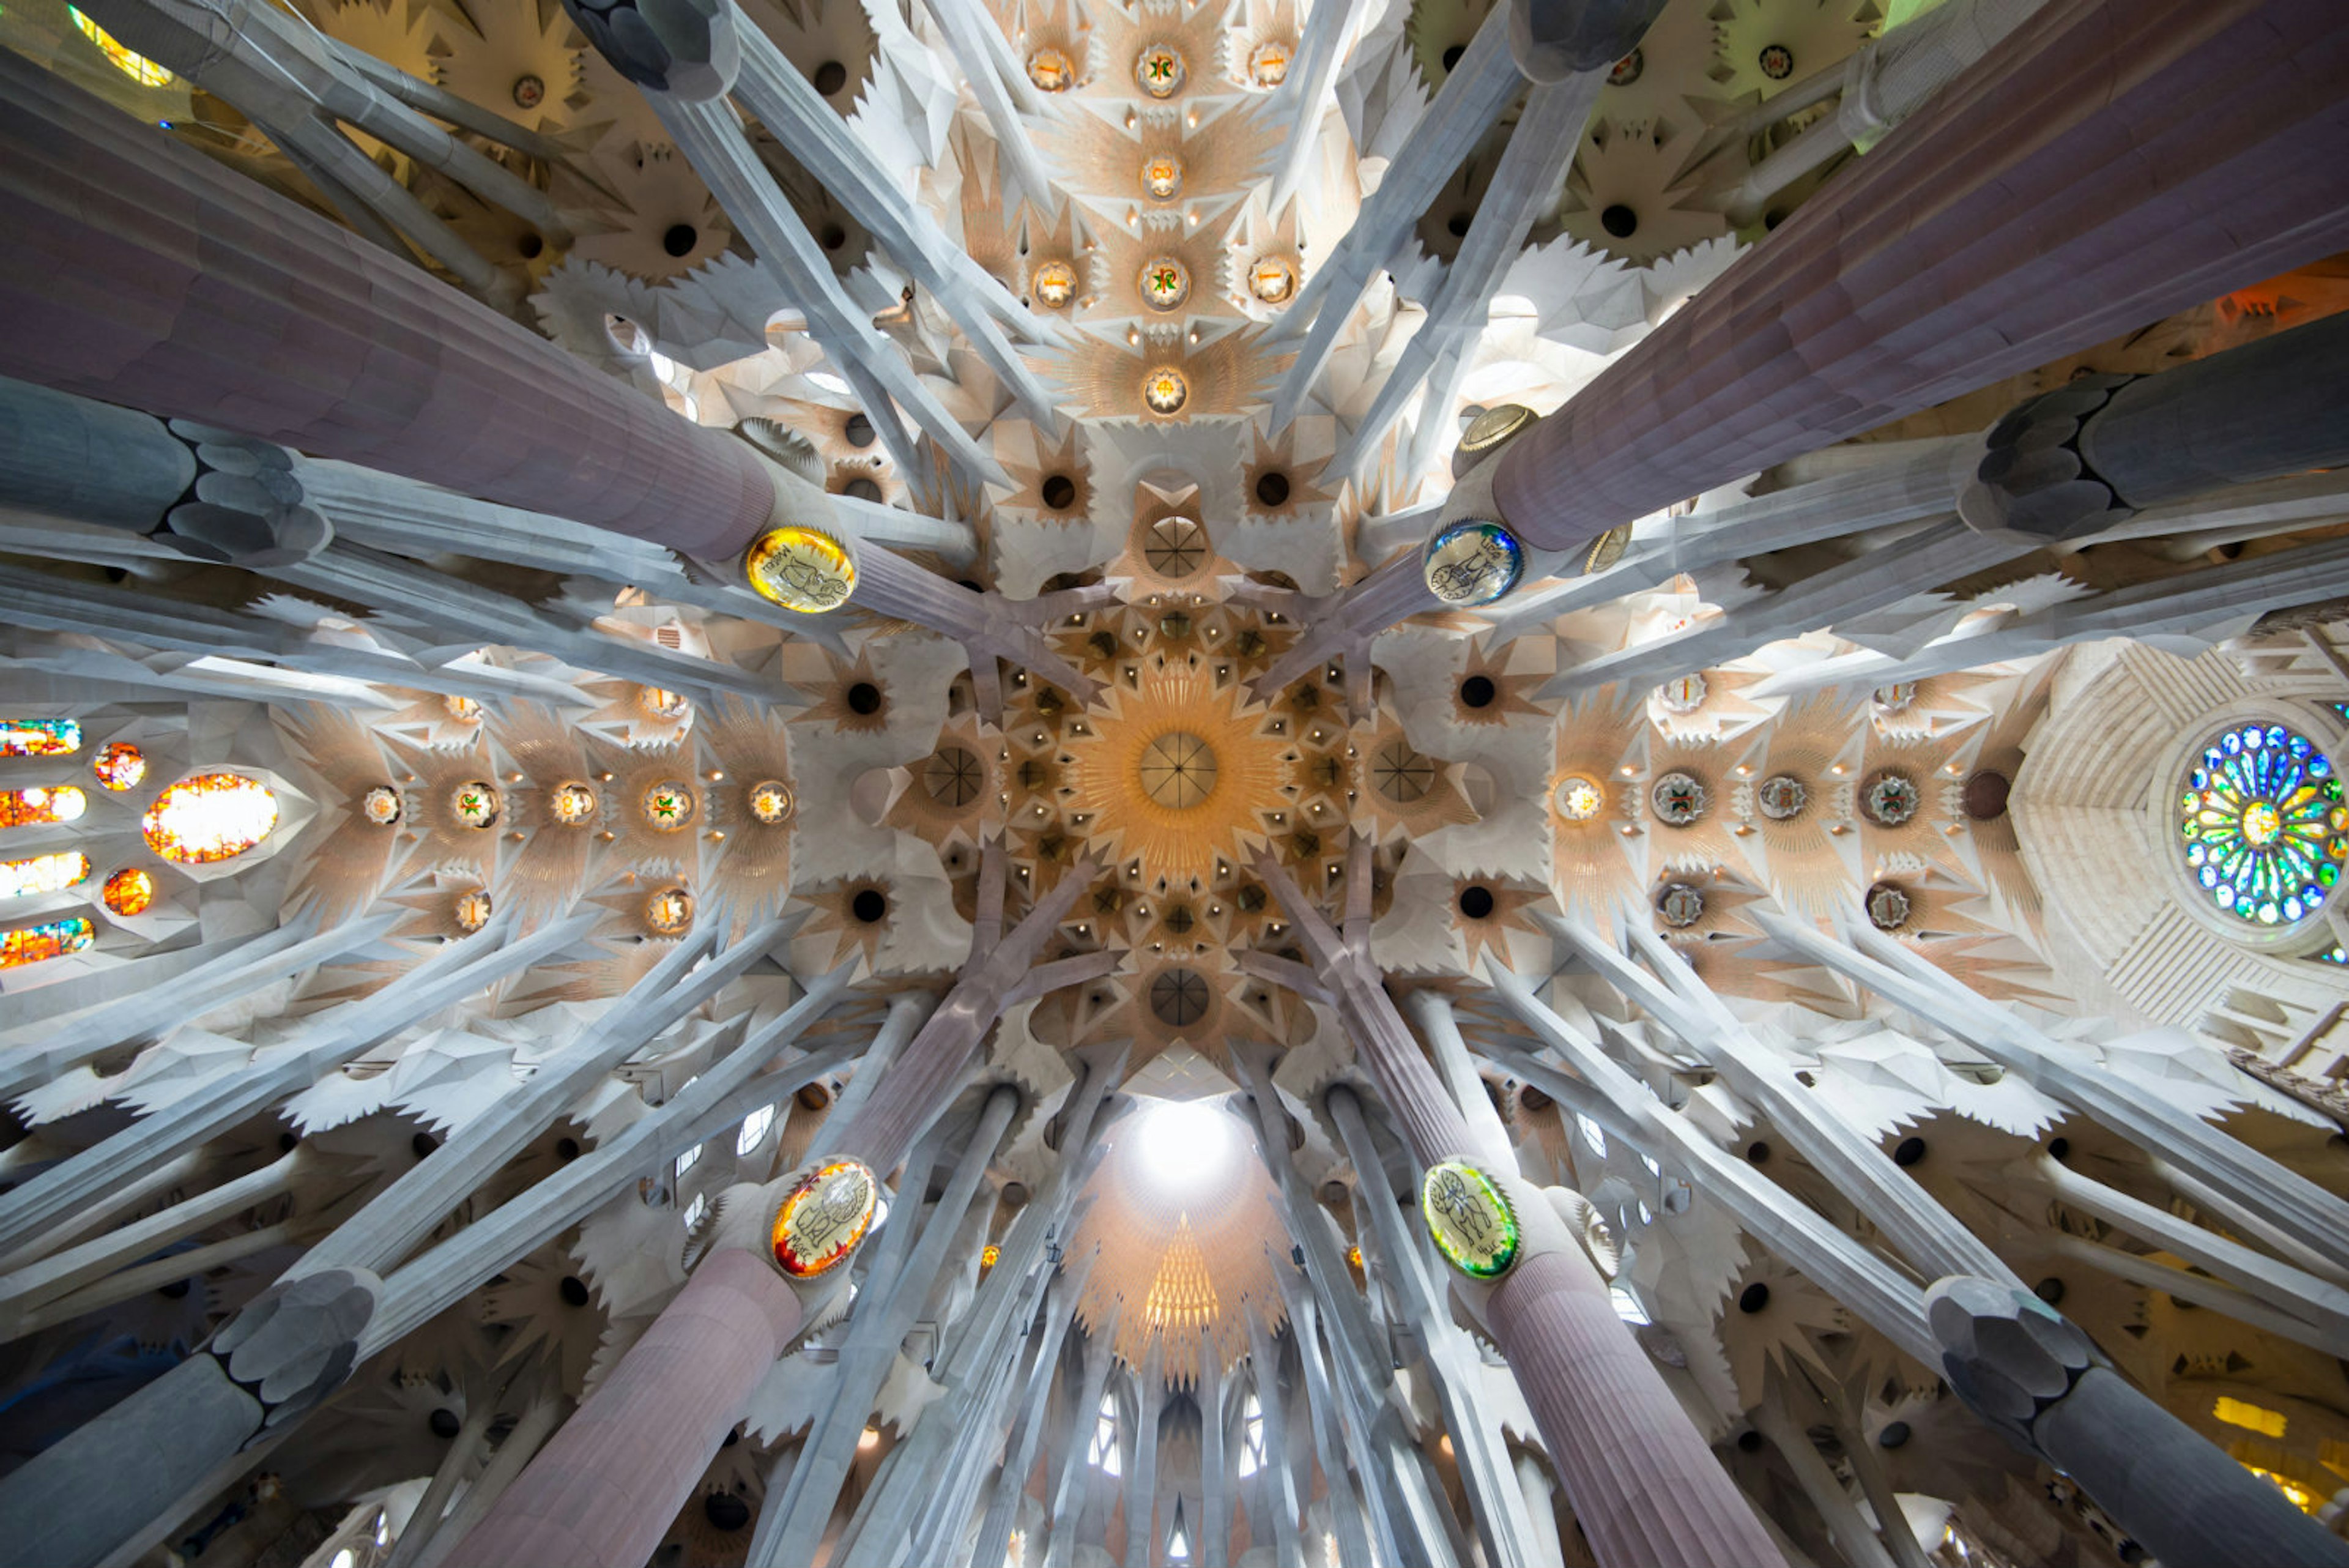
(2262, 825)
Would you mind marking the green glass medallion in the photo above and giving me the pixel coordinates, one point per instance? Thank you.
(1470, 1219)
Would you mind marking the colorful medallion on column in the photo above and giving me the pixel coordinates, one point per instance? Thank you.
(802, 569)
(824, 1218)
(1470, 1219)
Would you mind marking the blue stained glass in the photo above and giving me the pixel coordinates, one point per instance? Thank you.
(2263, 825)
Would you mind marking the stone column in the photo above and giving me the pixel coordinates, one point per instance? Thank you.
(137, 271)
(604, 1491)
(1961, 250)
(2042, 1386)
(1641, 1479)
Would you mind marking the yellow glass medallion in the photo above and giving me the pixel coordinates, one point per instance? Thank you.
(1165, 390)
(1470, 1219)
(824, 1218)
(802, 569)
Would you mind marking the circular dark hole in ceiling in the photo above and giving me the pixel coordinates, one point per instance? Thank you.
(1757, 1151)
(423, 1143)
(574, 1290)
(863, 489)
(1753, 1297)
(176, 1289)
(1272, 489)
(2049, 1290)
(1452, 55)
(1456, 225)
(1895, 1433)
(531, 245)
(833, 237)
(815, 1096)
(445, 1423)
(286, 1142)
(566, 1148)
(1477, 691)
(2059, 1147)
(1749, 1442)
(864, 698)
(1178, 997)
(1618, 221)
(723, 1509)
(681, 239)
(1059, 492)
(831, 77)
(859, 431)
(869, 907)
(1908, 1151)
(1475, 902)
(1986, 794)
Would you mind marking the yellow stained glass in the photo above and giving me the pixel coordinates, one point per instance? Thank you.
(40, 874)
(36, 804)
(137, 68)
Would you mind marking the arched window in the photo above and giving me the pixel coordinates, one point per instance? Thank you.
(1251, 1437)
(754, 1127)
(1102, 1451)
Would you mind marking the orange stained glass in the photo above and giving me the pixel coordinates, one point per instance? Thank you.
(119, 766)
(824, 1218)
(209, 817)
(50, 939)
(38, 803)
(129, 891)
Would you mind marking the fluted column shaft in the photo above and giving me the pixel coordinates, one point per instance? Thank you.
(606, 1489)
(2113, 162)
(137, 271)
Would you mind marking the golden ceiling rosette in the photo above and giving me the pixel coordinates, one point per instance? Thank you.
(1179, 774)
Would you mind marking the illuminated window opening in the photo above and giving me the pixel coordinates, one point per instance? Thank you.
(1591, 1134)
(2258, 1419)
(1103, 1452)
(754, 1127)
(137, 68)
(1251, 1437)
(687, 1160)
(1628, 1307)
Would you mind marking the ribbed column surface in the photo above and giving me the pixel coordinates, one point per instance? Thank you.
(137, 271)
(606, 1488)
(1647, 1490)
(2112, 162)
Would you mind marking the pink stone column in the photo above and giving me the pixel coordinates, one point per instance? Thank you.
(2112, 162)
(135, 270)
(604, 1491)
(1641, 1502)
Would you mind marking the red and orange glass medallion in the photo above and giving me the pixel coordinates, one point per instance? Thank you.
(824, 1218)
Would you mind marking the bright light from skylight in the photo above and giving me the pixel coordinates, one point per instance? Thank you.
(1183, 1145)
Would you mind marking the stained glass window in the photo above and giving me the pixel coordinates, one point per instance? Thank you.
(50, 939)
(129, 891)
(41, 874)
(137, 68)
(36, 804)
(119, 766)
(209, 817)
(39, 737)
(2263, 825)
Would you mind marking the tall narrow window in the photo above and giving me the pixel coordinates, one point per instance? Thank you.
(1104, 1450)
(1251, 1437)
(1178, 1540)
(754, 1127)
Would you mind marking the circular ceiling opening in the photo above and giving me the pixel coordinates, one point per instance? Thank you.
(1178, 771)
(1184, 1146)
(1178, 998)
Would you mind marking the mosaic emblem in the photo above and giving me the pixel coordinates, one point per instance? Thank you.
(1580, 799)
(1473, 562)
(1682, 694)
(1679, 799)
(129, 891)
(464, 710)
(473, 910)
(1493, 426)
(119, 766)
(572, 805)
(669, 912)
(475, 804)
(1272, 280)
(802, 569)
(1269, 64)
(1161, 177)
(1890, 799)
(824, 1218)
(1782, 797)
(2263, 825)
(1607, 549)
(1166, 283)
(1159, 70)
(1887, 907)
(770, 801)
(381, 806)
(1053, 284)
(1165, 390)
(669, 805)
(1050, 71)
(1895, 698)
(1681, 905)
(1777, 62)
(659, 702)
(1470, 1219)
(1627, 69)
